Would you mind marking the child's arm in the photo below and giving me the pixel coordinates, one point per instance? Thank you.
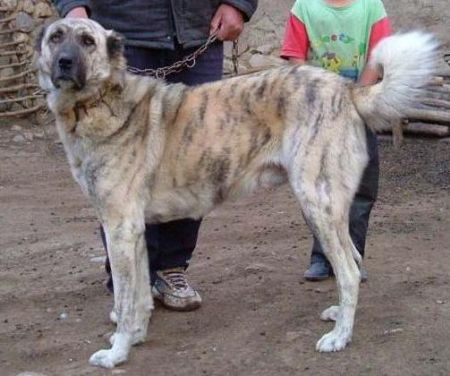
(296, 42)
(382, 29)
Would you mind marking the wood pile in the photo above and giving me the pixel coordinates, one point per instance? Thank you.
(432, 116)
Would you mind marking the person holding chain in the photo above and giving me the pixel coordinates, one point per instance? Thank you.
(159, 33)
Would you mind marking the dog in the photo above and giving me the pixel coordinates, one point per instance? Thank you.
(146, 151)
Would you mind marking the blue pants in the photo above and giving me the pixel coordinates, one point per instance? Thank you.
(171, 244)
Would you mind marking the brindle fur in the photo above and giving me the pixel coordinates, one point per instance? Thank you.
(145, 151)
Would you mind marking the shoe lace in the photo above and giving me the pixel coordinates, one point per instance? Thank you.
(175, 278)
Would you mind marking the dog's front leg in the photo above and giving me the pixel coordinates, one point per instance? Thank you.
(132, 298)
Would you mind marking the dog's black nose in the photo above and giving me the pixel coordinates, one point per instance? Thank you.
(65, 63)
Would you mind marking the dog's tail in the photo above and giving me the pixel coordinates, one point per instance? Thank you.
(408, 62)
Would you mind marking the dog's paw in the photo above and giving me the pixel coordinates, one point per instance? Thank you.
(113, 316)
(106, 359)
(333, 341)
(330, 314)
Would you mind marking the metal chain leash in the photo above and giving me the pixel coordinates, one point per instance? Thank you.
(235, 57)
(187, 62)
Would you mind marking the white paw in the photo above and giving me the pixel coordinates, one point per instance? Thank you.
(113, 316)
(106, 359)
(332, 341)
(330, 314)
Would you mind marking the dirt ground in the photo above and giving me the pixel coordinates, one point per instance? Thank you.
(259, 317)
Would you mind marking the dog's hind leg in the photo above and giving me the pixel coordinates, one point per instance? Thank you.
(331, 233)
(132, 298)
(325, 207)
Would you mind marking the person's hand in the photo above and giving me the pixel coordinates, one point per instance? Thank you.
(78, 12)
(228, 22)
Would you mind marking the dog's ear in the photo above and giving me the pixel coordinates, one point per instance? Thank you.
(115, 45)
(39, 37)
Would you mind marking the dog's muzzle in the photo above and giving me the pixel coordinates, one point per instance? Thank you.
(68, 69)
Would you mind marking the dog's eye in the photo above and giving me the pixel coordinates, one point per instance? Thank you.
(87, 40)
(56, 37)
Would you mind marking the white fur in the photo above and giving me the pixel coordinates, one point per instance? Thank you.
(408, 61)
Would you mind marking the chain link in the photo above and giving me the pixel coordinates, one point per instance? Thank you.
(187, 62)
(235, 57)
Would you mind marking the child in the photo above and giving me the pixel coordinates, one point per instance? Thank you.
(339, 35)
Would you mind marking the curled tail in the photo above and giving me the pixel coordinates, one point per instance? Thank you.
(408, 62)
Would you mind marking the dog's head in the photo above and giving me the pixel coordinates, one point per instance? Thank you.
(75, 53)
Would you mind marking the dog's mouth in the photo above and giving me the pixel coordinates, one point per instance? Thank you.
(63, 80)
(68, 73)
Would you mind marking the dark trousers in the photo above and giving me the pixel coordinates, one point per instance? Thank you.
(362, 203)
(171, 244)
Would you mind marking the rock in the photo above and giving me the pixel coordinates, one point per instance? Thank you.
(16, 128)
(30, 374)
(266, 49)
(28, 50)
(6, 72)
(28, 6)
(257, 267)
(292, 336)
(445, 140)
(24, 22)
(28, 135)
(265, 23)
(63, 316)
(42, 10)
(118, 372)
(39, 135)
(22, 37)
(228, 67)
(392, 331)
(263, 61)
(9, 4)
(18, 138)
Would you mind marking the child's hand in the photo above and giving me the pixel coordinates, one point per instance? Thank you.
(228, 22)
(370, 75)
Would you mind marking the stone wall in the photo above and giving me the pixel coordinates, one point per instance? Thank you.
(19, 21)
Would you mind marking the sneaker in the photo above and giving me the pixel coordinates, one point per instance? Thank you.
(173, 290)
(320, 271)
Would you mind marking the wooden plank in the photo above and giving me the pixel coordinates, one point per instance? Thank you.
(428, 129)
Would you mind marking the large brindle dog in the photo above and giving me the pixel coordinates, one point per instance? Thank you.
(145, 151)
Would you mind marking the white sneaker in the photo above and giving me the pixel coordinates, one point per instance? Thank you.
(173, 290)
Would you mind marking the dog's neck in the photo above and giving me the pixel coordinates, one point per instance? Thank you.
(104, 94)
(86, 113)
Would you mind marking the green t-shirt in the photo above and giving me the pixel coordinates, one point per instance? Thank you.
(339, 36)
